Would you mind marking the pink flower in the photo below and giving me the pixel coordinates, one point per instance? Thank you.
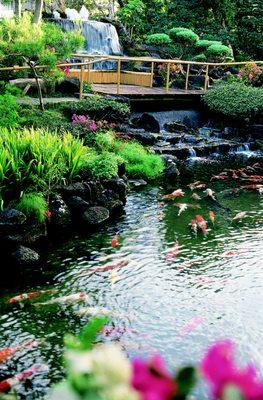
(250, 76)
(152, 379)
(66, 70)
(218, 367)
(79, 119)
(93, 126)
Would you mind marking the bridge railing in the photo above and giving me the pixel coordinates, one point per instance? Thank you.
(168, 62)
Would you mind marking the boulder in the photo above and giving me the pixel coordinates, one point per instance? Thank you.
(176, 126)
(60, 214)
(77, 205)
(118, 186)
(31, 234)
(68, 85)
(137, 183)
(11, 216)
(171, 171)
(25, 256)
(142, 137)
(95, 216)
(147, 122)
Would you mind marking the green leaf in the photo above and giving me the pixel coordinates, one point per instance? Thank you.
(232, 393)
(185, 379)
(89, 333)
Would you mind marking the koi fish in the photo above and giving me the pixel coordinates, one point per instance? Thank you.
(160, 204)
(193, 225)
(107, 267)
(160, 216)
(72, 298)
(252, 187)
(114, 277)
(210, 193)
(230, 253)
(9, 351)
(239, 215)
(195, 196)
(172, 253)
(187, 264)
(201, 223)
(218, 177)
(190, 205)
(91, 311)
(212, 216)
(260, 191)
(175, 193)
(28, 296)
(254, 178)
(196, 185)
(114, 241)
(182, 207)
(9, 383)
(234, 175)
(191, 325)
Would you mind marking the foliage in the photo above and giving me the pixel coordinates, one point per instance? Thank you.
(131, 13)
(9, 111)
(33, 205)
(203, 44)
(218, 52)
(52, 120)
(251, 74)
(183, 35)
(138, 161)
(200, 57)
(98, 108)
(235, 100)
(38, 159)
(103, 166)
(7, 88)
(158, 39)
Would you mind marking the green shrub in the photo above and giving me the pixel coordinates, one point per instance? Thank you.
(203, 44)
(103, 166)
(218, 52)
(33, 205)
(103, 141)
(158, 39)
(6, 87)
(48, 119)
(38, 159)
(9, 111)
(235, 100)
(200, 57)
(98, 108)
(184, 35)
(138, 161)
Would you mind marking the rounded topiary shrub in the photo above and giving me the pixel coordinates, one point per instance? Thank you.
(203, 44)
(200, 57)
(184, 35)
(159, 39)
(218, 52)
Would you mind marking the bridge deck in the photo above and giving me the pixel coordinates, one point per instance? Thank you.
(140, 91)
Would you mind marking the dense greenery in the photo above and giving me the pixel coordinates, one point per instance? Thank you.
(33, 205)
(235, 100)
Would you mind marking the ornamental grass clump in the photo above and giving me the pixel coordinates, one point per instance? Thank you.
(33, 205)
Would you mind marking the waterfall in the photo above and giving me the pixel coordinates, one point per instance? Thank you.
(192, 152)
(100, 38)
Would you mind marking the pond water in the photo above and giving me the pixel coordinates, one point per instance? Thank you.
(211, 289)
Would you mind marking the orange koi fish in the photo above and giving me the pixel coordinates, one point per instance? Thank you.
(175, 193)
(173, 252)
(201, 223)
(218, 177)
(196, 185)
(252, 187)
(191, 325)
(72, 298)
(193, 225)
(114, 241)
(254, 178)
(234, 175)
(9, 351)
(9, 383)
(28, 296)
(212, 216)
(107, 267)
(239, 216)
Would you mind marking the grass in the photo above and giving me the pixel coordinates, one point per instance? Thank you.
(33, 205)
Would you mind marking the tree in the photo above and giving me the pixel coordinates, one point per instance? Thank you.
(131, 15)
(37, 44)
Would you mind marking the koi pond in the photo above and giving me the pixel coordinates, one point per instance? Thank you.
(173, 302)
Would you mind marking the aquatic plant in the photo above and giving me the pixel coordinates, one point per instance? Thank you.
(33, 205)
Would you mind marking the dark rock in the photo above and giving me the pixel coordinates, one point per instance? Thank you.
(60, 214)
(147, 122)
(95, 215)
(121, 170)
(31, 234)
(89, 191)
(114, 206)
(256, 131)
(143, 137)
(68, 85)
(171, 171)
(24, 256)
(119, 98)
(137, 183)
(118, 186)
(176, 127)
(12, 216)
(77, 205)
(168, 159)
(197, 80)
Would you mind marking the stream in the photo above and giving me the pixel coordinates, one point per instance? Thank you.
(215, 280)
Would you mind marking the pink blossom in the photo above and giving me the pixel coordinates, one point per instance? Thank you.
(152, 379)
(250, 76)
(66, 70)
(218, 367)
(93, 126)
(79, 119)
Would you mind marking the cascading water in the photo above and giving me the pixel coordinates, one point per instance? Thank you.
(100, 39)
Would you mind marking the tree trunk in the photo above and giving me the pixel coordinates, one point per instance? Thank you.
(18, 8)
(38, 11)
(41, 103)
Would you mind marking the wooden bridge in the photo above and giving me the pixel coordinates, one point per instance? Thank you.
(126, 80)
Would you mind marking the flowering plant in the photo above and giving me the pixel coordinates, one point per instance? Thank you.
(103, 372)
(101, 126)
(175, 71)
(250, 74)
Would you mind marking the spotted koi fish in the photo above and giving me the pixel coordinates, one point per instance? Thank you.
(201, 223)
(10, 351)
(28, 296)
(72, 298)
(107, 267)
(9, 383)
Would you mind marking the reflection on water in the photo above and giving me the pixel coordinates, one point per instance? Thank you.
(214, 284)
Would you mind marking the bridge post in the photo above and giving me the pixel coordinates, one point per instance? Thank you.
(81, 82)
(206, 77)
(119, 76)
(168, 77)
(152, 71)
(187, 76)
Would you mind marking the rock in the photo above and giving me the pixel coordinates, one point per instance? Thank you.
(88, 191)
(25, 256)
(176, 127)
(256, 131)
(11, 216)
(31, 234)
(95, 215)
(118, 186)
(143, 137)
(147, 122)
(114, 206)
(60, 214)
(121, 170)
(77, 205)
(68, 85)
(137, 183)
(197, 80)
